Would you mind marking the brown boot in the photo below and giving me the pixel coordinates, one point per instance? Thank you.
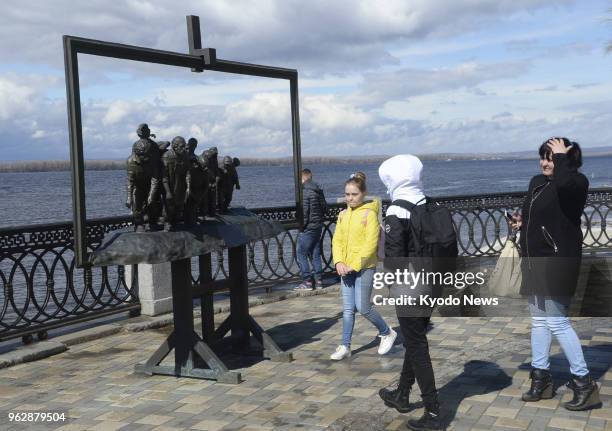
(586, 393)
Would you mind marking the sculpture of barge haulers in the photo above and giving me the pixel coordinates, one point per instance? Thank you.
(229, 180)
(214, 178)
(176, 166)
(143, 179)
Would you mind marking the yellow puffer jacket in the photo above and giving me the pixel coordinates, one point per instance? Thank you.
(356, 236)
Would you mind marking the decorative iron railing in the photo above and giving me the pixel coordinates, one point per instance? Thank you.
(41, 288)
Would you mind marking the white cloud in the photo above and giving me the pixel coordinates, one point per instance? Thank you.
(260, 126)
(19, 94)
(355, 96)
(323, 113)
(312, 36)
(116, 112)
(270, 110)
(380, 88)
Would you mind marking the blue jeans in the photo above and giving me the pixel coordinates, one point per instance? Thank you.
(308, 246)
(548, 317)
(356, 294)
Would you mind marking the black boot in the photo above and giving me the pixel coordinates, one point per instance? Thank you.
(430, 421)
(396, 398)
(541, 386)
(586, 393)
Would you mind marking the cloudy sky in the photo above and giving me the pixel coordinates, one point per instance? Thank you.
(376, 77)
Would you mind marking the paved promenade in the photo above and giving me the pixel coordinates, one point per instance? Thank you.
(481, 365)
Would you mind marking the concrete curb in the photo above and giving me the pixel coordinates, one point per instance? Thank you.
(88, 334)
(32, 352)
(44, 349)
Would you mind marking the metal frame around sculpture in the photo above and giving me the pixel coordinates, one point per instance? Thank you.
(197, 60)
(189, 349)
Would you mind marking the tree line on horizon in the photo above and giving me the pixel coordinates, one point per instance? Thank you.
(114, 165)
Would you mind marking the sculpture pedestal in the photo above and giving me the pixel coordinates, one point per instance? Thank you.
(154, 288)
(185, 342)
(234, 231)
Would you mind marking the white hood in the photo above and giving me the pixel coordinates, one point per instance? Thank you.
(401, 175)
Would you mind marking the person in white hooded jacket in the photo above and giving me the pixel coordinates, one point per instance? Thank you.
(401, 175)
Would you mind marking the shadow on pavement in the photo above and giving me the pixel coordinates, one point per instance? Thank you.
(287, 336)
(398, 341)
(291, 335)
(477, 378)
(376, 341)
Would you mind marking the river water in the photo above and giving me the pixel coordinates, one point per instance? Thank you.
(42, 197)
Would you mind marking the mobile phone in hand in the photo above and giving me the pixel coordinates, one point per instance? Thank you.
(509, 216)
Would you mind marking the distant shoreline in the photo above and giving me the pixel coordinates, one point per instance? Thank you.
(113, 165)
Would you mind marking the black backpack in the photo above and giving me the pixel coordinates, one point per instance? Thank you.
(432, 228)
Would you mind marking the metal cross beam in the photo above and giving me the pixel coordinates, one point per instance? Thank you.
(197, 60)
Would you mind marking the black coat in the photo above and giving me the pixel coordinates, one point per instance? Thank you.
(314, 205)
(400, 248)
(399, 242)
(551, 238)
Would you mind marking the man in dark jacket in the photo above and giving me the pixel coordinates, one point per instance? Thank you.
(309, 239)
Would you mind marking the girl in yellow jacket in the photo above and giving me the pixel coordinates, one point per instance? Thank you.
(354, 251)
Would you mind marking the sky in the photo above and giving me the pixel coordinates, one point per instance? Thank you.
(375, 77)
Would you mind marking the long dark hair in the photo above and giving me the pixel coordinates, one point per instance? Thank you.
(574, 154)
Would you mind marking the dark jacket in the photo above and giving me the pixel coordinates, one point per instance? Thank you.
(399, 242)
(400, 248)
(551, 238)
(314, 205)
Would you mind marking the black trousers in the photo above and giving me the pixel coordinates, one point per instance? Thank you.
(417, 363)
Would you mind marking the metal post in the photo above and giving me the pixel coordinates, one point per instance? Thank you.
(182, 308)
(77, 164)
(194, 37)
(206, 305)
(239, 297)
(297, 148)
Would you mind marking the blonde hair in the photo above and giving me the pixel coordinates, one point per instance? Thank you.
(358, 179)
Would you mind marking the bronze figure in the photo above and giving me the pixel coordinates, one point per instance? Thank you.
(204, 202)
(156, 209)
(197, 189)
(229, 180)
(176, 166)
(192, 144)
(214, 178)
(143, 177)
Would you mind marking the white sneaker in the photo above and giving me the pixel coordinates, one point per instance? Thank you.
(341, 352)
(386, 342)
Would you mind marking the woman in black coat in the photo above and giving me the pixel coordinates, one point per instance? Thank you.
(551, 246)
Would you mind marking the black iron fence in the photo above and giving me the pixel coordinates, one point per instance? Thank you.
(42, 289)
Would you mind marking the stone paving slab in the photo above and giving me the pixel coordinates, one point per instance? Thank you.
(480, 374)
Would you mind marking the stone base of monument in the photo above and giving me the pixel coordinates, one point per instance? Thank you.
(154, 287)
(194, 355)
